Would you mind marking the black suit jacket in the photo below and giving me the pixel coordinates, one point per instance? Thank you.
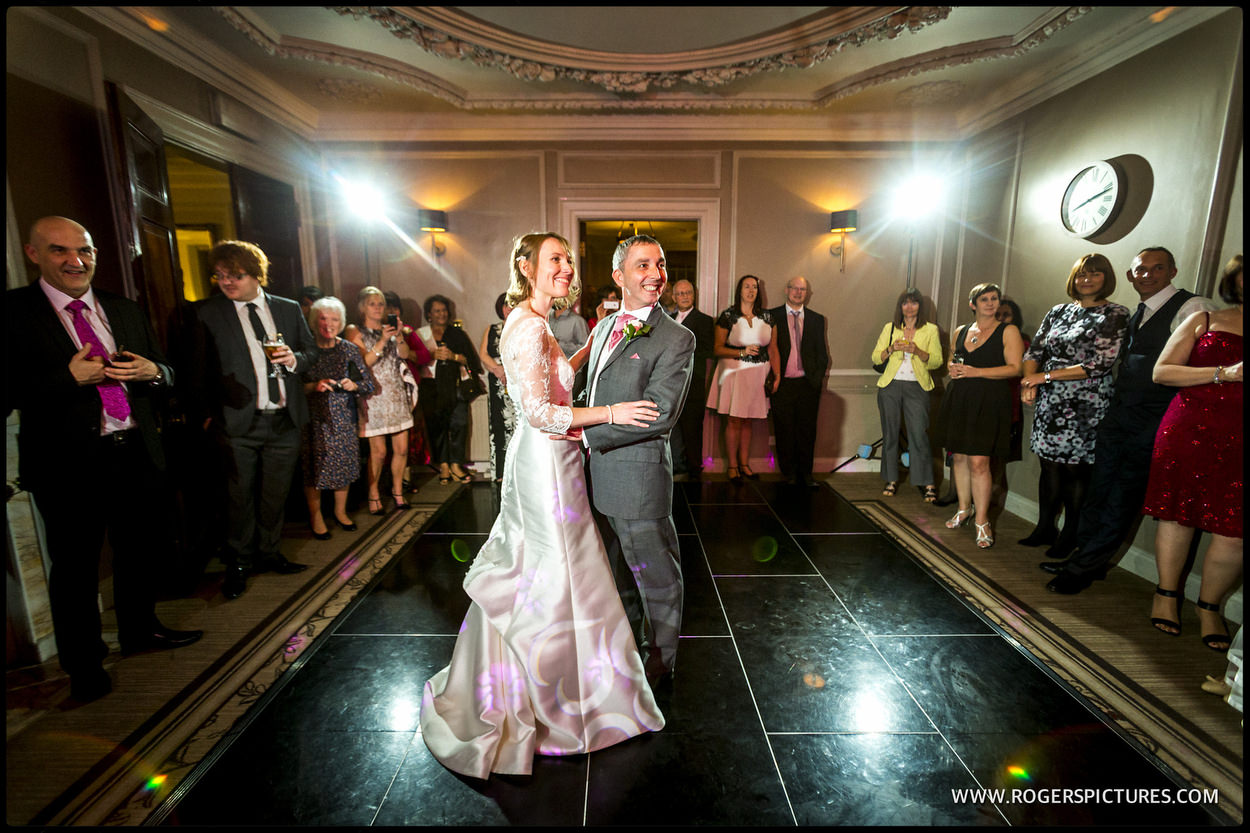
(60, 419)
(813, 352)
(222, 380)
(702, 325)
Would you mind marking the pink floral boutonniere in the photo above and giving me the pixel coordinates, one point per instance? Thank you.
(633, 331)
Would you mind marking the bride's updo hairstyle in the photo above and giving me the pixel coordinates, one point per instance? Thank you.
(526, 247)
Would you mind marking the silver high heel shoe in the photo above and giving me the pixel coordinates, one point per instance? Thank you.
(961, 518)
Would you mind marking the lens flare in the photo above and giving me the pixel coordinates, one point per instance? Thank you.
(460, 550)
(1018, 772)
(764, 549)
(155, 782)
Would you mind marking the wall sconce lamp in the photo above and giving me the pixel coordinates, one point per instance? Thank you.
(435, 222)
(841, 222)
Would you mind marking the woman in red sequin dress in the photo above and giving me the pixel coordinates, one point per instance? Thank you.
(1197, 472)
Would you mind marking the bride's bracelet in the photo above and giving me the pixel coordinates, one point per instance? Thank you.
(610, 420)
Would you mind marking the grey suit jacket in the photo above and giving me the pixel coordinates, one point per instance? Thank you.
(631, 468)
(223, 381)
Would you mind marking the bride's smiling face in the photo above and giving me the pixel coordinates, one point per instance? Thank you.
(552, 272)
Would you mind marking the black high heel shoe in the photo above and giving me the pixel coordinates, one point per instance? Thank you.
(1217, 642)
(1159, 622)
(322, 536)
(379, 510)
(734, 478)
(348, 527)
(400, 503)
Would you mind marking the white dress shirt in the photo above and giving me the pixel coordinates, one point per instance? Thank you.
(260, 364)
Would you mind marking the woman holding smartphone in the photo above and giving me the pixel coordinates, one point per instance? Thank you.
(387, 412)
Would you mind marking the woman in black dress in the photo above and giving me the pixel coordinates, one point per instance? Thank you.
(446, 414)
(499, 405)
(975, 421)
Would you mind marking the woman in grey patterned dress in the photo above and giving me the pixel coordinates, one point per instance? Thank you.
(1067, 374)
(388, 411)
(330, 448)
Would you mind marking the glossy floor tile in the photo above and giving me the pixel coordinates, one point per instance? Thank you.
(823, 678)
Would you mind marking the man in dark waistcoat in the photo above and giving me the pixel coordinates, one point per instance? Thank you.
(1126, 434)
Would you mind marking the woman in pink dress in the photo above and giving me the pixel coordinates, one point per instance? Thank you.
(745, 349)
(1197, 471)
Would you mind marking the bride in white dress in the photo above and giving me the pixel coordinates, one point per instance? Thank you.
(545, 662)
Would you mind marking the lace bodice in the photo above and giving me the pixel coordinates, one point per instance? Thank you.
(540, 379)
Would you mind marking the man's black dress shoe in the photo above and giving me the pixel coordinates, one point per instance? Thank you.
(1055, 567)
(1038, 538)
(235, 583)
(1069, 584)
(161, 638)
(91, 685)
(277, 563)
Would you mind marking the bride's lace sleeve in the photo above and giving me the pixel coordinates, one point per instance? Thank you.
(527, 362)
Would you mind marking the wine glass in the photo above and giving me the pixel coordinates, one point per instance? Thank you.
(270, 343)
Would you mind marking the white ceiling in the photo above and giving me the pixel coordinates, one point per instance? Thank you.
(823, 73)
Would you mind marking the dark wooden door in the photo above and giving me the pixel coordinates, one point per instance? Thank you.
(266, 214)
(155, 279)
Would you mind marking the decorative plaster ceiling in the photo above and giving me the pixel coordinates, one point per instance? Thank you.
(868, 72)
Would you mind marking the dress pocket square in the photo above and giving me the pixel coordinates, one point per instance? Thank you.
(635, 356)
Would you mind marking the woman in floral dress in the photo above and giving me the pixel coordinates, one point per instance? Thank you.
(330, 449)
(388, 411)
(1067, 376)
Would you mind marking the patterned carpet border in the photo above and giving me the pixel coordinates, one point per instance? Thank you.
(138, 787)
(1167, 735)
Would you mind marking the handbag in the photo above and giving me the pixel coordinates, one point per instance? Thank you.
(768, 383)
(470, 388)
(880, 366)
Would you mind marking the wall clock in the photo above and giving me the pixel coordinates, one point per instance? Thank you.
(1092, 199)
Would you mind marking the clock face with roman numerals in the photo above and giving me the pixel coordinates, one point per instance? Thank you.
(1092, 200)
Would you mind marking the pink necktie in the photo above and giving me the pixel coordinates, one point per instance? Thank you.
(794, 367)
(111, 392)
(618, 330)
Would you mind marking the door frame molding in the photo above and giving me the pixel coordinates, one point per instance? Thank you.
(706, 212)
(188, 131)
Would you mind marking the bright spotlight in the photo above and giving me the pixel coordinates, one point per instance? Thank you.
(363, 199)
(918, 197)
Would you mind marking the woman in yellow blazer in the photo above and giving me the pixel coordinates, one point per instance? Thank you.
(910, 347)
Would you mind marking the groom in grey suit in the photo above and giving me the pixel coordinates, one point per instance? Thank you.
(641, 353)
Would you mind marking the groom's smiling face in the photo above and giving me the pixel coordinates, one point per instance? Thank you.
(642, 276)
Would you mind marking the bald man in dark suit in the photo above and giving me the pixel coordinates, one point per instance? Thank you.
(796, 392)
(90, 451)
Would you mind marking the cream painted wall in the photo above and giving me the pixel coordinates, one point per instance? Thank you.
(1170, 112)
(1173, 113)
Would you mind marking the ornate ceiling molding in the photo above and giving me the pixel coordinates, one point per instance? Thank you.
(532, 60)
(650, 90)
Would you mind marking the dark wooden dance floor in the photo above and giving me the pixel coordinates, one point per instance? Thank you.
(829, 673)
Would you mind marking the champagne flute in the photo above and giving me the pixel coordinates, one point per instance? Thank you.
(270, 343)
